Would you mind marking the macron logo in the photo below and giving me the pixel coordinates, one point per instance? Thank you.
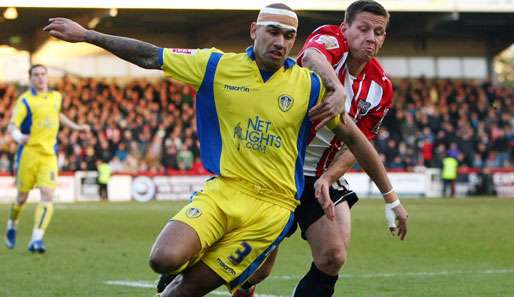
(237, 88)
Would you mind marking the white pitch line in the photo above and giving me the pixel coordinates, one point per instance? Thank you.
(427, 273)
(403, 274)
(148, 284)
(133, 284)
(151, 285)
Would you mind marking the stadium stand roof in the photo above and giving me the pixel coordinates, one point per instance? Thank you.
(423, 27)
(327, 5)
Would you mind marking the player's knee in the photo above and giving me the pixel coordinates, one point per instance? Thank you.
(165, 261)
(331, 260)
(22, 198)
(338, 257)
(47, 195)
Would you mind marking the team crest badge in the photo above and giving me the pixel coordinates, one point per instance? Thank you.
(285, 102)
(193, 212)
(363, 107)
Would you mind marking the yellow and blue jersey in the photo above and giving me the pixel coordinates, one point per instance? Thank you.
(252, 126)
(37, 115)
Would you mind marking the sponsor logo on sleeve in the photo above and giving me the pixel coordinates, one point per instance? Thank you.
(183, 51)
(330, 42)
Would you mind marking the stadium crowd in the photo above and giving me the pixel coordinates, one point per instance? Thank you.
(149, 126)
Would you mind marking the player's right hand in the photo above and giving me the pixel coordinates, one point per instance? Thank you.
(66, 29)
(332, 106)
(401, 219)
(321, 191)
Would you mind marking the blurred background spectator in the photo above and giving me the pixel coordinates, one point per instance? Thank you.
(149, 125)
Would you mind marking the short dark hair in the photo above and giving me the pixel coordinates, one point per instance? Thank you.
(32, 67)
(364, 6)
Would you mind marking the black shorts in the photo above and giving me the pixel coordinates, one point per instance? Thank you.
(309, 210)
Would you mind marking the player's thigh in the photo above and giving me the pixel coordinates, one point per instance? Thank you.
(238, 255)
(325, 235)
(26, 169)
(310, 211)
(195, 227)
(47, 172)
(176, 244)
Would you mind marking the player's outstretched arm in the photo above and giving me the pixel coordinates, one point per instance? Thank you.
(369, 160)
(343, 162)
(335, 97)
(364, 152)
(138, 52)
(72, 125)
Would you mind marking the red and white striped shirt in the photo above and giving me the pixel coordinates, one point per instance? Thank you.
(369, 97)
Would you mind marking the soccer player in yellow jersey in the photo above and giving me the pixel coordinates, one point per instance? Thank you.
(34, 126)
(252, 124)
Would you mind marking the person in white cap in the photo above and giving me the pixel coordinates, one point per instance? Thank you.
(253, 128)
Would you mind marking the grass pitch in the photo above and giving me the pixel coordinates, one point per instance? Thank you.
(460, 247)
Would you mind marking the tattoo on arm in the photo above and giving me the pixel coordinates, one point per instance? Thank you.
(138, 52)
(322, 67)
(327, 80)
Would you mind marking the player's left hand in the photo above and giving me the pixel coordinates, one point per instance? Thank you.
(398, 224)
(332, 106)
(321, 191)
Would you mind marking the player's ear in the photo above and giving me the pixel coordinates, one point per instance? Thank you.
(344, 26)
(253, 30)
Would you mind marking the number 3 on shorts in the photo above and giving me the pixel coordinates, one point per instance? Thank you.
(239, 255)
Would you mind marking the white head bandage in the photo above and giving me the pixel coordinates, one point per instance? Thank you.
(281, 18)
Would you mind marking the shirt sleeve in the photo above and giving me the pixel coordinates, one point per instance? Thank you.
(370, 124)
(19, 113)
(186, 65)
(329, 41)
